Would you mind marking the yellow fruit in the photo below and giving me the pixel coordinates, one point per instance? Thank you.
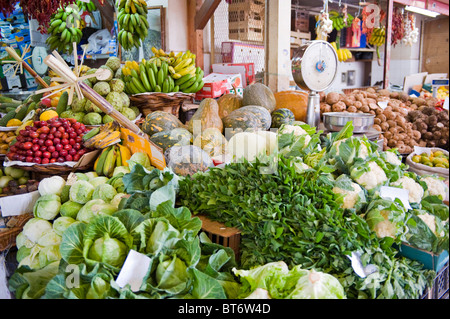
(47, 115)
(54, 101)
(14, 122)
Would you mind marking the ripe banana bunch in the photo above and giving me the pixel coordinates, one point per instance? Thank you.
(83, 6)
(110, 158)
(165, 72)
(133, 24)
(378, 37)
(342, 53)
(64, 29)
(102, 137)
(338, 20)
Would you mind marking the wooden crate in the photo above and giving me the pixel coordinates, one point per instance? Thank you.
(220, 234)
(300, 20)
(246, 20)
(299, 38)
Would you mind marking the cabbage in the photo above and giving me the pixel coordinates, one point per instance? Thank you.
(47, 207)
(49, 254)
(171, 273)
(139, 158)
(117, 198)
(35, 228)
(22, 252)
(51, 185)
(81, 192)
(81, 177)
(99, 180)
(121, 169)
(23, 241)
(93, 208)
(105, 192)
(65, 194)
(49, 238)
(108, 250)
(61, 223)
(70, 209)
(91, 175)
(32, 259)
(315, 285)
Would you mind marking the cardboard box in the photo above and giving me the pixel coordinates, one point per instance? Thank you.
(249, 71)
(217, 84)
(430, 260)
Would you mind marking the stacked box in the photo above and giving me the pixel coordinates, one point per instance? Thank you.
(238, 53)
(299, 20)
(246, 20)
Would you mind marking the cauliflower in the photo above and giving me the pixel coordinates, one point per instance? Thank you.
(372, 178)
(436, 187)
(300, 167)
(416, 191)
(385, 228)
(350, 197)
(297, 130)
(393, 159)
(363, 152)
(430, 220)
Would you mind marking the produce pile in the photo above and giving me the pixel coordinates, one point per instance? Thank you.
(404, 121)
(15, 181)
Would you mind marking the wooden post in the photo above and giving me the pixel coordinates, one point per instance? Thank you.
(387, 46)
(195, 42)
(278, 44)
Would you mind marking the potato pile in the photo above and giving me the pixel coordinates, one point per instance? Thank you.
(405, 122)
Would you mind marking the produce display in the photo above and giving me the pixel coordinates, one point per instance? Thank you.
(404, 121)
(15, 181)
(434, 159)
(165, 72)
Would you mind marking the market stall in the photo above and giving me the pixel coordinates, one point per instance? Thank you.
(151, 176)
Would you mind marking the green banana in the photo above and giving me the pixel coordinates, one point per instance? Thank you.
(101, 161)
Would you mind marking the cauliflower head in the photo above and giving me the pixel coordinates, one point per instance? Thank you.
(393, 159)
(363, 151)
(436, 187)
(350, 197)
(415, 190)
(297, 130)
(385, 228)
(374, 177)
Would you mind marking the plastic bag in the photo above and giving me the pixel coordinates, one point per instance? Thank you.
(99, 42)
(188, 160)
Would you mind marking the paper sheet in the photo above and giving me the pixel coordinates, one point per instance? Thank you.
(392, 193)
(133, 270)
(18, 204)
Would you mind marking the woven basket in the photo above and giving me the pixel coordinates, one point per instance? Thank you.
(42, 171)
(8, 235)
(170, 103)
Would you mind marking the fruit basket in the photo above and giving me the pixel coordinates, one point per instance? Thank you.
(14, 227)
(156, 101)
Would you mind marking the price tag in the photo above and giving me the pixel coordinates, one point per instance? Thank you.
(383, 104)
(392, 193)
(133, 270)
(420, 150)
(358, 267)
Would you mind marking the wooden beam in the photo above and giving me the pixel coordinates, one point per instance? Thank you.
(205, 13)
(195, 41)
(387, 46)
(432, 5)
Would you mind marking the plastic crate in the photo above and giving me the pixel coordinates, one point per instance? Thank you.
(440, 287)
(220, 234)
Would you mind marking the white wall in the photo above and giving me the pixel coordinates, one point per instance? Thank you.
(176, 25)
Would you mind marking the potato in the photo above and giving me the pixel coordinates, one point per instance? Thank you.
(377, 127)
(338, 107)
(352, 109)
(358, 104)
(325, 108)
(365, 109)
(333, 98)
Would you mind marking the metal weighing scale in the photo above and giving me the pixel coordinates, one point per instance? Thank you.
(314, 68)
(37, 60)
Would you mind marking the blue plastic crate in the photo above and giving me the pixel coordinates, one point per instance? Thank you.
(428, 259)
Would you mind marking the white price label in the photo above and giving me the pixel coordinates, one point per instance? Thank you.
(133, 270)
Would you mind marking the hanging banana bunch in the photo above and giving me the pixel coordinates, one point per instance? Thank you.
(132, 21)
(342, 53)
(378, 38)
(86, 6)
(64, 29)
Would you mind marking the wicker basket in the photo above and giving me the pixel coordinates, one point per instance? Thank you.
(8, 235)
(42, 171)
(151, 102)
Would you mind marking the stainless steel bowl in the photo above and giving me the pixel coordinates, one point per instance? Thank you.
(335, 121)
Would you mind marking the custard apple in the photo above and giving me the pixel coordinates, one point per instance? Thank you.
(102, 88)
(107, 118)
(92, 119)
(116, 100)
(129, 113)
(136, 110)
(126, 99)
(91, 107)
(113, 63)
(93, 79)
(77, 104)
(111, 73)
(117, 85)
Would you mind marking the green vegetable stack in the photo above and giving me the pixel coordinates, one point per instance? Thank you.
(133, 24)
(165, 72)
(64, 29)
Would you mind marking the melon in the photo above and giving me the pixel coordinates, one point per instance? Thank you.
(262, 113)
(228, 103)
(176, 137)
(282, 116)
(207, 115)
(212, 141)
(240, 122)
(261, 95)
(160, 121)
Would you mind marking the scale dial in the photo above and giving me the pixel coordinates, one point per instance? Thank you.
(37, 59)
(315, 65)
